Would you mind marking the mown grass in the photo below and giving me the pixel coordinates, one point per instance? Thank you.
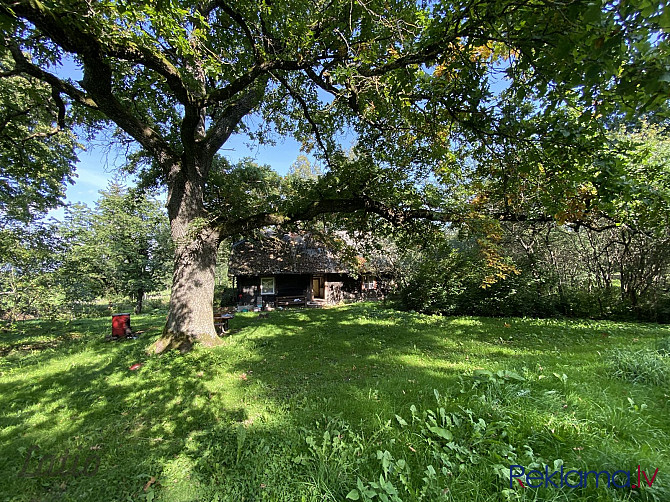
(323, 404)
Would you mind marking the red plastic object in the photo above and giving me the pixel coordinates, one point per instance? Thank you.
(121, 325)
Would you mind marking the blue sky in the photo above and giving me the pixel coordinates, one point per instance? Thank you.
(97, 166)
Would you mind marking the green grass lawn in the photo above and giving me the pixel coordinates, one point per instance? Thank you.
(359, 401)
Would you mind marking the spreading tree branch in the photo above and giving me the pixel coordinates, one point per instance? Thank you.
(230, 117)
(399, 217)
(396, 216)
(239, 19)
(243, 82)
(71, 37)
(307, 114)
(61, 86)
(99, 96)
(98, 83)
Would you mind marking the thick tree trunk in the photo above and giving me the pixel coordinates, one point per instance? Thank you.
(190, 319)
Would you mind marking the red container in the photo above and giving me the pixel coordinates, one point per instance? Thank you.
(121, 325)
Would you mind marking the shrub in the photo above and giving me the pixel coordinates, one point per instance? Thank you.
(663, 347)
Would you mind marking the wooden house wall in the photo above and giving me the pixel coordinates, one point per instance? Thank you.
(285, 285)
(249, 288)
(292, 285)
(338, 287)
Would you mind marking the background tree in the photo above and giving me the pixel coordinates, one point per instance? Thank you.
(80, 271)
(37, 152)
(133, 241)
(121, 248)
(613, 262)
(29, 283)
(411, 80)
(37, 157)
(303, 168)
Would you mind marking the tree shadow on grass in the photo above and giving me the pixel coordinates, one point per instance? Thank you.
(41, 335)
(372, 361)
(81, 397)
(357, 350)
(233, 420)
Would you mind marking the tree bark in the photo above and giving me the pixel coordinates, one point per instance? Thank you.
(140, 299)
(190, 319)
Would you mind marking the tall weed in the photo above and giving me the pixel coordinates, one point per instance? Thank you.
(640, 366)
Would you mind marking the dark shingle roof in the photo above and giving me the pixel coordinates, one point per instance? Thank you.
(286, 254)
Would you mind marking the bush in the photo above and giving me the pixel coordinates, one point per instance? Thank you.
(225, 296)
(438, 283)
(663, 347)
(641, 366)
(448, 280)
(446, 277)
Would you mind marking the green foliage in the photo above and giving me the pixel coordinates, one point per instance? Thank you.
(242, 190)
(439, 280)
(302, 168)
(564, 275)
(121, 248)
(29, 283)
(640, 366)
(414, 84)
(37, 156)
(636, 189)
(452, 277)
(80, 269)
(610, 262)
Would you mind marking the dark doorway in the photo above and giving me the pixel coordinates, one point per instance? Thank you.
(318, 287)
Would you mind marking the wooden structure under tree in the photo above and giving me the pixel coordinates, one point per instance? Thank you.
(299, 269)
(221, 319)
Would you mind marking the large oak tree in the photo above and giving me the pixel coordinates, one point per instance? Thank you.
(427, 88)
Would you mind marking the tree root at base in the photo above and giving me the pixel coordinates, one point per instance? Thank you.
(182, 342)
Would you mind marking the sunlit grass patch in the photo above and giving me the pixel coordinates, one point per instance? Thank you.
(313, 404)
(639, 366)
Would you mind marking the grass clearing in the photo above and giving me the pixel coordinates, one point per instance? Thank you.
(359, 401)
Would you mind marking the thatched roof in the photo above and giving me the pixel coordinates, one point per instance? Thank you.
(294, 253)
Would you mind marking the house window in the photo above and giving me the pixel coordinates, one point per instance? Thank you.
(267, 285)
(368, 282)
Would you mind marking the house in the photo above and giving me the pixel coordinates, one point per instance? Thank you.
(300, 269)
